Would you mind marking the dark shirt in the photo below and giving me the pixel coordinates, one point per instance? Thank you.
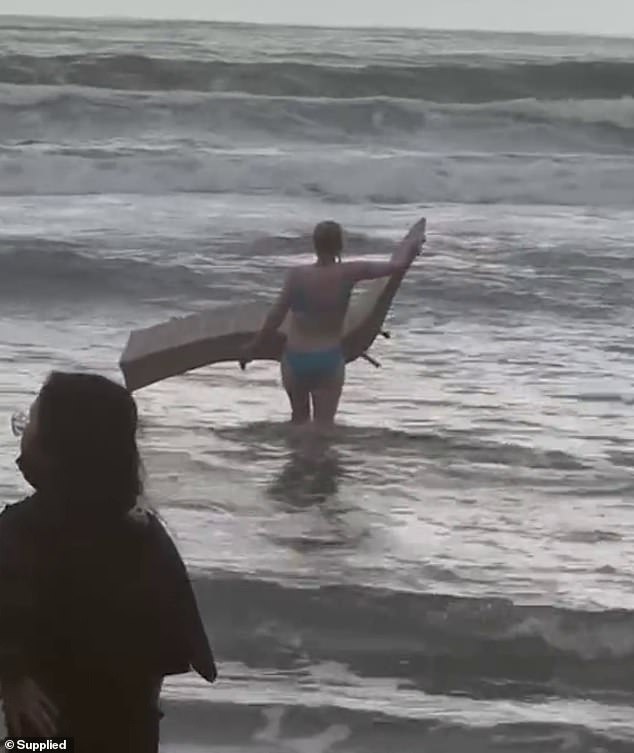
(95, 611)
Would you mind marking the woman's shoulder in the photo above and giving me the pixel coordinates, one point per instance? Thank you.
(297, 272)
(151, 523)
(16, 513)
(21, 527)
(318, 275)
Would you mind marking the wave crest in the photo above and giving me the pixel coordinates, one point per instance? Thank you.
(427, 638)
(342, 177)
(440, 82)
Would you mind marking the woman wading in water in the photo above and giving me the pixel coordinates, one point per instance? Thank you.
(318, 295)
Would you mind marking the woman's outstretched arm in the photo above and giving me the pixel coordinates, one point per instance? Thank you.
(409, 248)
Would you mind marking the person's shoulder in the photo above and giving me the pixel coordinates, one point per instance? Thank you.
(146, 523)
(150, 522)
(18, 510)
(351, 269)
(149, 518)
(16, 516)
(141, 516)
(344, 266)
(160, 546)
(295, 273)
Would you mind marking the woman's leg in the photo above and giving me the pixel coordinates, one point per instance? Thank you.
(326, 397)
(298, 395)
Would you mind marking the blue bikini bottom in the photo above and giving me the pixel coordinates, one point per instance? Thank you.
(314, 366)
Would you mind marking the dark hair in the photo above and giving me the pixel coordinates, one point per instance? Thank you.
(86, 426)
(328, 240)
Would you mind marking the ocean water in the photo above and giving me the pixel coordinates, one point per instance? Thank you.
(453, 572)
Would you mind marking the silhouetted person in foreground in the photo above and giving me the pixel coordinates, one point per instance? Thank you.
(96, 606)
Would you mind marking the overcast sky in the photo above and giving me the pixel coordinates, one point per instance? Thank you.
(587, 16)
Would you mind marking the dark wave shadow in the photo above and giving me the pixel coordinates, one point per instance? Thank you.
(473, 446)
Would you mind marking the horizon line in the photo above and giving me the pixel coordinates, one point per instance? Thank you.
(629, 36)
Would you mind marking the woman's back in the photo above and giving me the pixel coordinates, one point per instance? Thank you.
(100, 614)
(319, 300)
(111, 601)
